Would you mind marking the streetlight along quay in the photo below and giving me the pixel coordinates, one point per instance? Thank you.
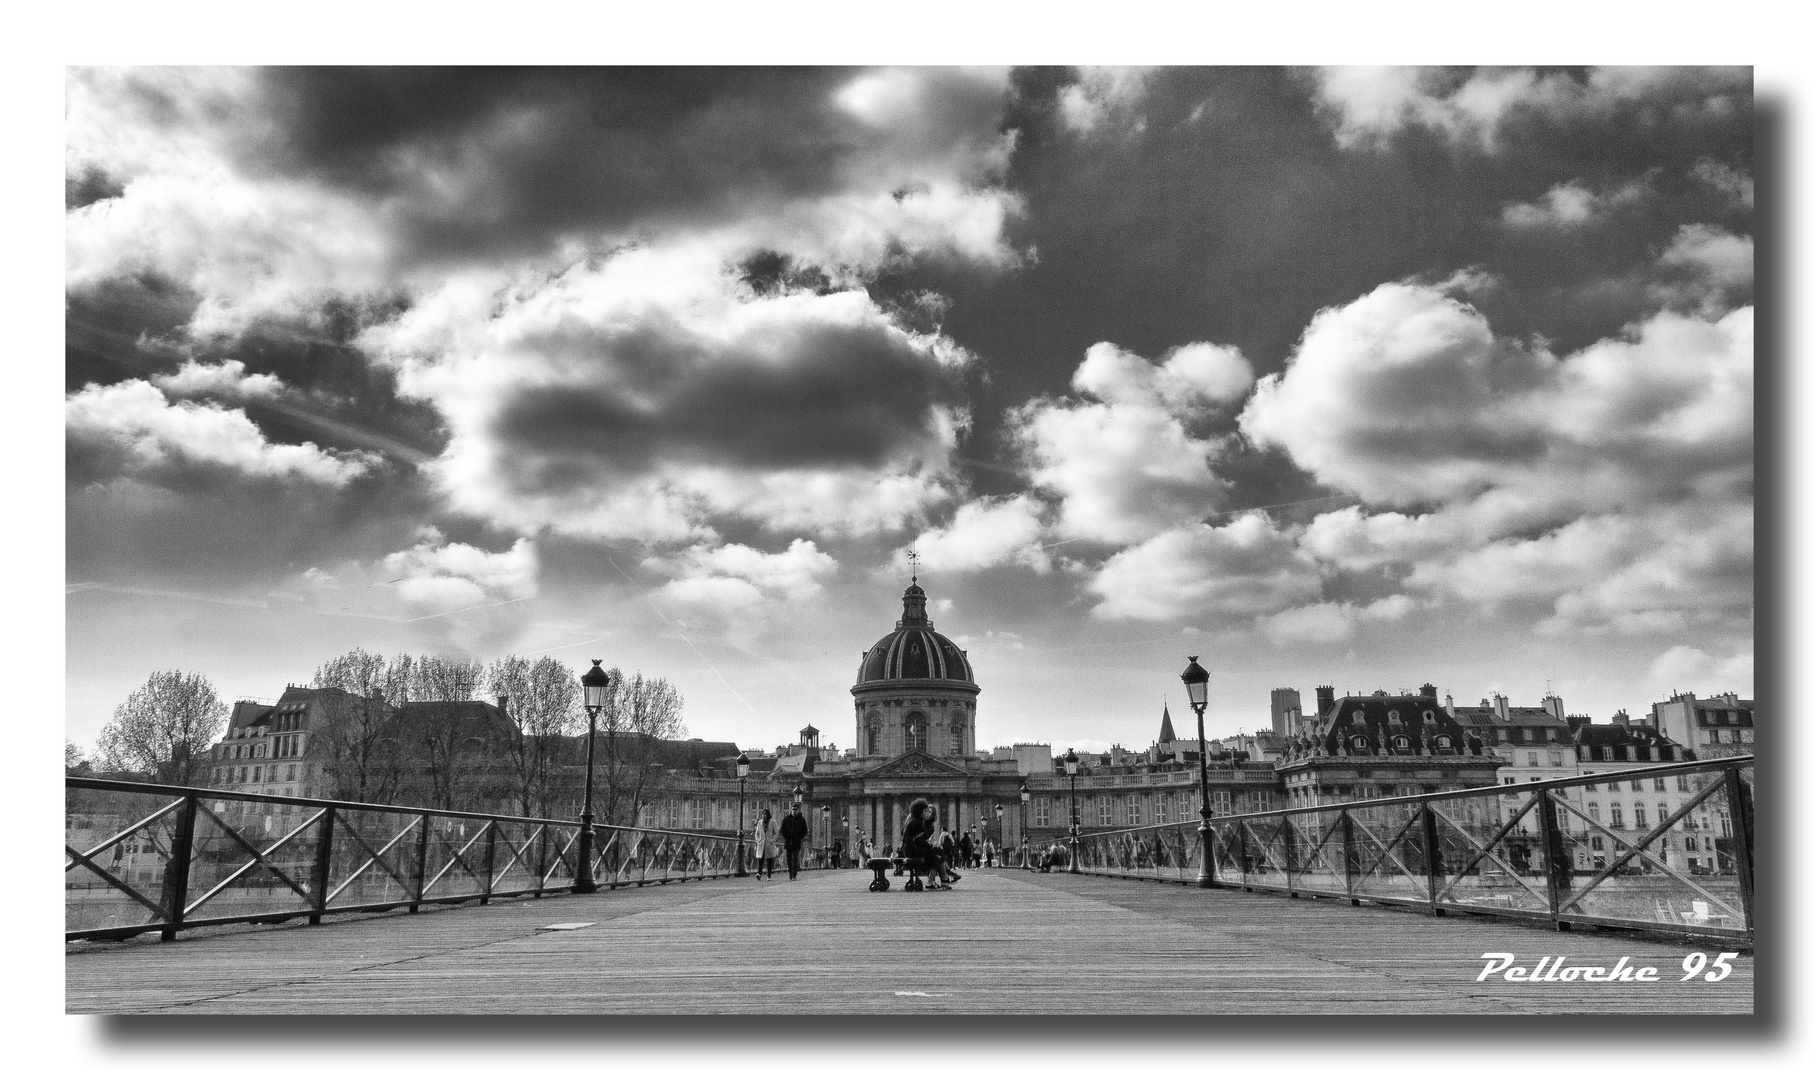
(594, 687)
(744, 770)
(1073, 830)
(1194, 678)
(1023, 833)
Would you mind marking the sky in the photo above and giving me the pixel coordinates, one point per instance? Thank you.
(1367, 377)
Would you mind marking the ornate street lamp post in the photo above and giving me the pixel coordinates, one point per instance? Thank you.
(744, 768)
(594, 687)
(1073, 830)
(1194, 678)
(827, 828)
(1023, 793)
(998, 812)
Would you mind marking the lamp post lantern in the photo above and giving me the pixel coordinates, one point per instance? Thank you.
(1073, 830)
(1194, 678)
(998, 813)
(744, 768)
(1023, 835)
(594, 687)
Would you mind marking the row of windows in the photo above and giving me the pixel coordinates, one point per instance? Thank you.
(916, 729)
(253, 774)
(1130, 811)
(1681, 783)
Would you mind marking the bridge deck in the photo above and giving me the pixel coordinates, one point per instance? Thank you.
(1000, 942)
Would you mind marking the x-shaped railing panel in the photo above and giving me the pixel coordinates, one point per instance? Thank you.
(261, 857)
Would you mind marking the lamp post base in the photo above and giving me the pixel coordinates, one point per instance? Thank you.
(584, 856)
(739, 863)
(1206, 880)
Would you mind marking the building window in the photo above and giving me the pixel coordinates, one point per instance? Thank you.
(1105, 810)
(1222, 802)
(915, 729)
(1597, 842)
(255, 774)
(1605, 752)
(1553, 759)
(1591, 811)
(957, 738)
(1616, 816)
(290, 772)
(699, 818)
(1042, 811)
(1613, 786)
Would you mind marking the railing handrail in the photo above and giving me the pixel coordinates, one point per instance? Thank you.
(175, 792)
(1675, 768)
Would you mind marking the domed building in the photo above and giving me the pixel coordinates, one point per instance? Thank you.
(915, 690)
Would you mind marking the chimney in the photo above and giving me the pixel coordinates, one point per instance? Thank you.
(1429, 690)
(1554, 706)
(1323, 699)
(505, 700)
(1503, 706)
(1622, 718)
(1449, 704)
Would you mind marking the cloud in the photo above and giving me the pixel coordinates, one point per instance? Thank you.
(437, 578)
(1368, 106)
(1738, 186)
(1572, 205)
(1103, 95)
(1708, 265)
(1246, 567)
(1605, 490)
(734, 579)
(132, 428)
(983, 533)
(1405, 396)
(1123, 461)
(1684, 668)
(651, 393)
(1330, 622)
(227, 379)
(272, 191)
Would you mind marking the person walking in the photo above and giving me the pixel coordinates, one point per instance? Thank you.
(764, 845)
(966, 849)
(795, 829)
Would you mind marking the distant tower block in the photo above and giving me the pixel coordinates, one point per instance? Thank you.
(1284, 702)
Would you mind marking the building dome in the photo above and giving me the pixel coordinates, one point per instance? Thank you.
(914, 650)
(915, 690)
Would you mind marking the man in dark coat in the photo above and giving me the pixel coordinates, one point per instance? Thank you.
(793, 831)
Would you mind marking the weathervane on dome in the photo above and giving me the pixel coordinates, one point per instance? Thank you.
(912, 558)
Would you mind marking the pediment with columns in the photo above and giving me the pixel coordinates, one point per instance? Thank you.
(916, 763)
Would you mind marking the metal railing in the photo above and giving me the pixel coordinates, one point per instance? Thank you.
(1533, 851)
(148, 858)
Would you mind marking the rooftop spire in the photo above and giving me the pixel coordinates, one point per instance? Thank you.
(1168, 727)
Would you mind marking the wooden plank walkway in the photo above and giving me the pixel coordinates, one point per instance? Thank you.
(1000, 942)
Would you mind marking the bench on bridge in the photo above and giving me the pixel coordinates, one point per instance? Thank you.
(914, 867)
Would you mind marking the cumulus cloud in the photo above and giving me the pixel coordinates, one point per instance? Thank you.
(1406, 396)
(1738, 186)
(1572, 205)
(132, 428)
(227, 379)
(1247, 567)
(1123, 462)
(983, 533)
(1370, 105)
(733, 578)
(1684, 668)
(1330, 622)
(647, 394)
(436, 578)
(1708, 265)
(1102, 96)
(271, 191)
(1610, 486)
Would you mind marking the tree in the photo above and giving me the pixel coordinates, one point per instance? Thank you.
(446, 731)
(640, 714)
(163, 729)
(358, 743)
(75, 762)
(544, 699)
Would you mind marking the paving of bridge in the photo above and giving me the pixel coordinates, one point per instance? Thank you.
(1000, 942)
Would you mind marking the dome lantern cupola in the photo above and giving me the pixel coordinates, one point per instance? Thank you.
(915, 689)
